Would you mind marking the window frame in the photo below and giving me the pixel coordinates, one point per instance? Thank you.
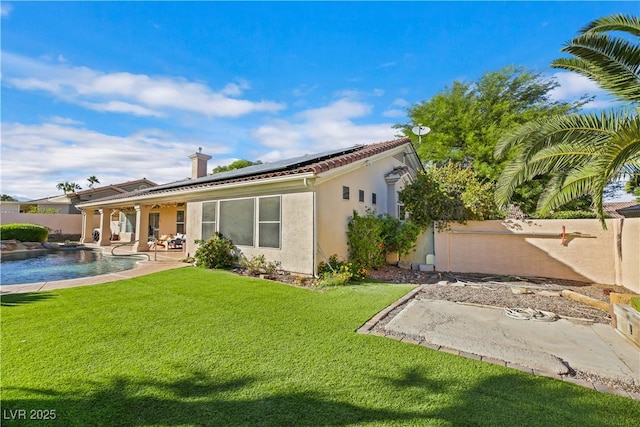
(259, 221)
(345, 192)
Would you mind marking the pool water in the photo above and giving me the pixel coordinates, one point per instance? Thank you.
(28, 267)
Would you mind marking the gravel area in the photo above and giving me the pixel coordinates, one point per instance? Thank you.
(496, 291)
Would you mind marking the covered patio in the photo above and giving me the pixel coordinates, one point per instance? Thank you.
(147, 227)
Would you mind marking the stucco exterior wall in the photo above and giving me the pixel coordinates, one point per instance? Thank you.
(534, 248)
(296, 251)
(333, 211)
(630, 254)
(66, 223)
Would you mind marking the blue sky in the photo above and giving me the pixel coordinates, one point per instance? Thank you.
(128, 90)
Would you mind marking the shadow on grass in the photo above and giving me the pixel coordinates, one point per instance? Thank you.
(199, 399)
(14, 300)
(196, 400)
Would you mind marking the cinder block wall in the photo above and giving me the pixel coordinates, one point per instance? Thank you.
(535, 248)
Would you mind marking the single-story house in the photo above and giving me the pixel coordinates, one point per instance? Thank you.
(294, 211)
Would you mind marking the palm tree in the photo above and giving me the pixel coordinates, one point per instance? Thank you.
(583, 152)
(92, 181)
(68, 187)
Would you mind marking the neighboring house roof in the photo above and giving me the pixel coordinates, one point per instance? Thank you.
(121, 188)
(307, 164)
(622, 209)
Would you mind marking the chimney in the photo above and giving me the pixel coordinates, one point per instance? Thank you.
(198, 164)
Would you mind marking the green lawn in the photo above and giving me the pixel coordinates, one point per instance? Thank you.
(202, 347)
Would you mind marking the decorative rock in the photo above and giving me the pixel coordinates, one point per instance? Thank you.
(443, 282)
(553, 294)
(404, 265)
(521, 291)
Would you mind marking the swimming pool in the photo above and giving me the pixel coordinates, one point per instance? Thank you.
(33, 267)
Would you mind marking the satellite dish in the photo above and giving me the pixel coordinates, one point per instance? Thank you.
(420, 130)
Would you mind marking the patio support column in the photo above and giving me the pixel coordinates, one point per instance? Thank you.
(142, 228)
(105, 227)
(87, 226)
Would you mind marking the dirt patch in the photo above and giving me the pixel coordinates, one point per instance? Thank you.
(498, 291)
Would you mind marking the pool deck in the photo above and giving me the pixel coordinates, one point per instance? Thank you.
(160, 261)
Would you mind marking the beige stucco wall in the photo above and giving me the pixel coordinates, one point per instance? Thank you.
(630, 254)
(167, 219)
(533, 248)
(67, 223)
(334, 212)
(296, 251)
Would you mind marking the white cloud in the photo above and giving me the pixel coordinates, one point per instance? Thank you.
(124, 92)
(5, 9)
(573, 86)
(37, 157)
(394, 113)
(64, 121)
(401, 102)
(320, 129)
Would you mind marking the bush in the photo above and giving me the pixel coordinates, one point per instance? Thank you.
(398, 236)
(572, 215)
(257, 265)
(337, 272)
(24, 232)
(217, 252)
(366, 247)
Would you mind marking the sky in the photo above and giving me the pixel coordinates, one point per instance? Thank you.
(126, 90)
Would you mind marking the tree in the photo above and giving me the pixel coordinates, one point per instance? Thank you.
(450, 193)
(468, 118)
(238, 164)
(583, 152)
(92, 181)
(7, 198)
(68, 187)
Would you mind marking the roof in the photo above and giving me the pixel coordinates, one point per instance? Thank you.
(619, 209)
(114, 187)
(307, 164)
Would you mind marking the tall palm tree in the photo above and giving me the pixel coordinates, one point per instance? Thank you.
(583, 152)
(92, 181)
(68, 187)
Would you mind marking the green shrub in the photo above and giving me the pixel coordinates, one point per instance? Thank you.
(24, 232)
(258, 265)
(572, 215)
(217, 252)
(364, 235)
(336, 272)
(398, 236)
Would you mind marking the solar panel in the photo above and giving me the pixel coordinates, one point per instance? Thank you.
(285, 164)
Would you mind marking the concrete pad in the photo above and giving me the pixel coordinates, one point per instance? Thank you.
(543, 346)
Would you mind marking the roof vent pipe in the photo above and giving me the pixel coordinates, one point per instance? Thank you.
(198, 164)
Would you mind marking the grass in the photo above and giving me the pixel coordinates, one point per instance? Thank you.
(203, 347)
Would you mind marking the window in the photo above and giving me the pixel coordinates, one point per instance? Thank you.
(345, 193)
(402, 214)
(374, 198)
(361, 196)
(180, 222)
(237, 218)
(208, 219)
(154, 224)
(269, 222)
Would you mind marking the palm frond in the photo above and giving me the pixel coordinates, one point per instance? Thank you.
(566, 188)
(616, 22)
(613, 63)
